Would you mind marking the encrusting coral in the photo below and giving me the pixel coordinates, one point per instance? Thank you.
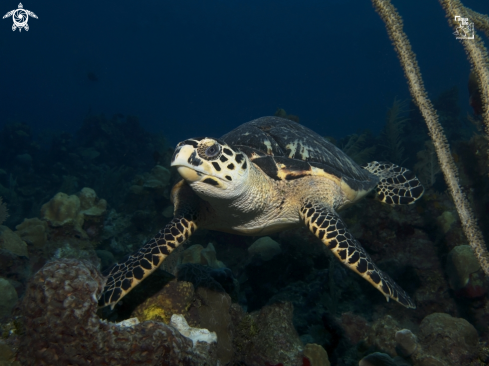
(478, 57)
(174, 298)
(74, 210)
(62, 327)
(33, 231)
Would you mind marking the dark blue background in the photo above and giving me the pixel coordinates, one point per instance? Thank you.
(193, 67)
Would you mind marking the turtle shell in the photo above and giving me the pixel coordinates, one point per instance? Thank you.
(287, 150)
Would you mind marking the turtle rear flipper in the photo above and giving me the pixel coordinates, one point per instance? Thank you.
(328, 227)
(397, 186)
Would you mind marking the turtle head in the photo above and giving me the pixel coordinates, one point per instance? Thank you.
(211, 167)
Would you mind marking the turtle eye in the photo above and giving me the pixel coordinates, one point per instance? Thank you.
(213, 150)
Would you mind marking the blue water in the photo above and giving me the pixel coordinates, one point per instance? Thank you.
(191, 68)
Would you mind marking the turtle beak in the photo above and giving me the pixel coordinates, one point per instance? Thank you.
(186, 160)
(188, 174)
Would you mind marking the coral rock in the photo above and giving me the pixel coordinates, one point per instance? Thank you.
(159, 178)
(162, 174)
(377, 359)
(198, 255)
(464, 273)
(7, 356)
(446, 341)
(355, 326)
(316, 355)
(62, 209)
(446, 220)
(194, 334)
(266, 248)
(33, 231)
(382, 334)
(12, 243)
(14, 261)
(214, 315)
(461, 262)
(174, 298)
(406, 342)
(90, 204)
(85, 209)
(62, 327)
(8, 299)
(269, 336)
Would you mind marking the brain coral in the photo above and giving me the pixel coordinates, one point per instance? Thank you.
(62, 327)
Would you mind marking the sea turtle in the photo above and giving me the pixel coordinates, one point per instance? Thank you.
(268, 175)
(20, 17)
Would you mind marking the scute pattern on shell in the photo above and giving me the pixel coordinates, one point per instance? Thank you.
(284, 149)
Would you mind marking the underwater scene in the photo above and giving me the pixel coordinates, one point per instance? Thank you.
(244, 183)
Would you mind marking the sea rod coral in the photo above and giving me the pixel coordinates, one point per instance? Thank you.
(479, 59)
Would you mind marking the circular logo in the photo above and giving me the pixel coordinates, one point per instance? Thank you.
(20, 18)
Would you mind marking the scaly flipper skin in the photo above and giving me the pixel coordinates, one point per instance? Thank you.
(397, 186)
(124, 276)
(328, 227)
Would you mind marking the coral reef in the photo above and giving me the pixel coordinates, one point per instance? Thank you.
(278, 300)
(78, 211)
(447, 341)
(197, 254)
(14, 258)
(461, 264)
(7, 355)
(8, 299)
(33, 231)
(3, 211)
(267, 336)
(407, 343)
(11, 242)
(213, 314)
(62, 327)
(316, 355)
(174, 298)
(265, 248)
(480, 62)
(195, 334)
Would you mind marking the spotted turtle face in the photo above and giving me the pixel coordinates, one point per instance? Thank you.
(211, 167)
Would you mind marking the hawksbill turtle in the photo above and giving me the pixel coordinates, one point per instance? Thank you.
(268, 175)
(20, 17)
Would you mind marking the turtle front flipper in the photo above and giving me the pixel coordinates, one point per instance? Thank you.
(397, 186)
(327, 226)
(124, 276)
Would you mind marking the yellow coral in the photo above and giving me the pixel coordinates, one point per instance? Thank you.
(153, 312)
(62, 209)
(316, 355)
(33, 231)
(12, 242)
(74, 210)
(174, 298)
